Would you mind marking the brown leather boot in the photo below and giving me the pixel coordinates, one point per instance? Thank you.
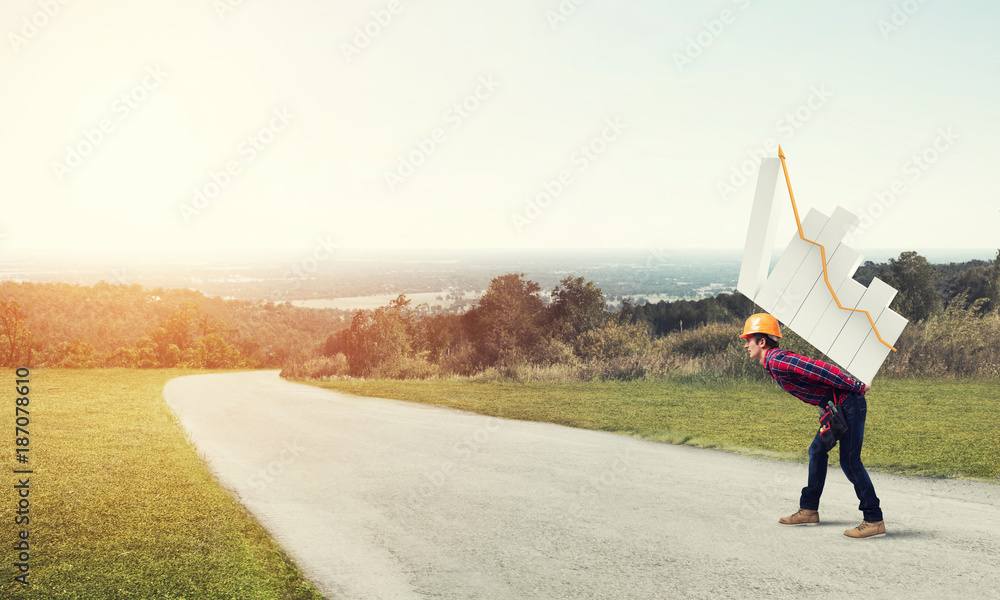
(803, 516)
(867, 530)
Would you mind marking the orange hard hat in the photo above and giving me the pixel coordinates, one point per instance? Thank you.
(761, 323)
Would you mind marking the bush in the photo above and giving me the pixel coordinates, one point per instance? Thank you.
(71, 355)
(625, 368)
(460, 361)
(554, 352)
(711, 340)
(326, 367)
(406, 367)
(615, 340)
(506, 373)
(957, 342)
(735, 364)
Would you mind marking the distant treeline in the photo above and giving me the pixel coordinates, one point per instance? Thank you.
(513, 330)
(67, 325)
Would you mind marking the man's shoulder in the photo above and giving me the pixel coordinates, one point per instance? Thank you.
(794, 359)
(777, 359)
(782, 354)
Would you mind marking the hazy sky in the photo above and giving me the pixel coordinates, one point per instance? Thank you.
(228, 124)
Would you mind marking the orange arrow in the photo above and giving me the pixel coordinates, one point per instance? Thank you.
(822, 251)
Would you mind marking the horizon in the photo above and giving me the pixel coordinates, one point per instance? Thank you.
(357, 273)
(71, 256)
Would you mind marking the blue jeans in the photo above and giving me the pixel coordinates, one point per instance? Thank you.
(855, 410)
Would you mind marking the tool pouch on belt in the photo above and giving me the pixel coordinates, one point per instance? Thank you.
(832, 425)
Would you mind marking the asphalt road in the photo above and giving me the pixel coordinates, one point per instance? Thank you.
(384, 499)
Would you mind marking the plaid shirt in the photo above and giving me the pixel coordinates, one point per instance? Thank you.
(810, 380)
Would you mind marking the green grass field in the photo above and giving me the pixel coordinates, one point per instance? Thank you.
(121, 505)
(943, 428)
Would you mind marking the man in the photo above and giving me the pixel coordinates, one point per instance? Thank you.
(816, 382)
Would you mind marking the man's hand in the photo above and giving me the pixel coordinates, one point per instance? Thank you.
(868, 386)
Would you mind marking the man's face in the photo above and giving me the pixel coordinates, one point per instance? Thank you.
(756, 348)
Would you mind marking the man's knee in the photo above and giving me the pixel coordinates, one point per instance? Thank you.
(851, 464)
(817, 450)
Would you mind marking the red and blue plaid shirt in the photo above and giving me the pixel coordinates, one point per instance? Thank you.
(808, 379)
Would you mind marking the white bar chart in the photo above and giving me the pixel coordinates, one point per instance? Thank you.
(797, 291)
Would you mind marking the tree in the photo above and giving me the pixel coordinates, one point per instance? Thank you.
(15, 339)
(212, 351)
(506, 325)
(336, 343)
(178, 328)
(627, 313)
(914, 279)
(982, 282)
(379, 336)
(437, 335)
(993, 288)
(145, 354)
(968, 286)
(576, 308)
(866, 272)
(73, 355)
(664, 317)
(123, 357)
(978, 282)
